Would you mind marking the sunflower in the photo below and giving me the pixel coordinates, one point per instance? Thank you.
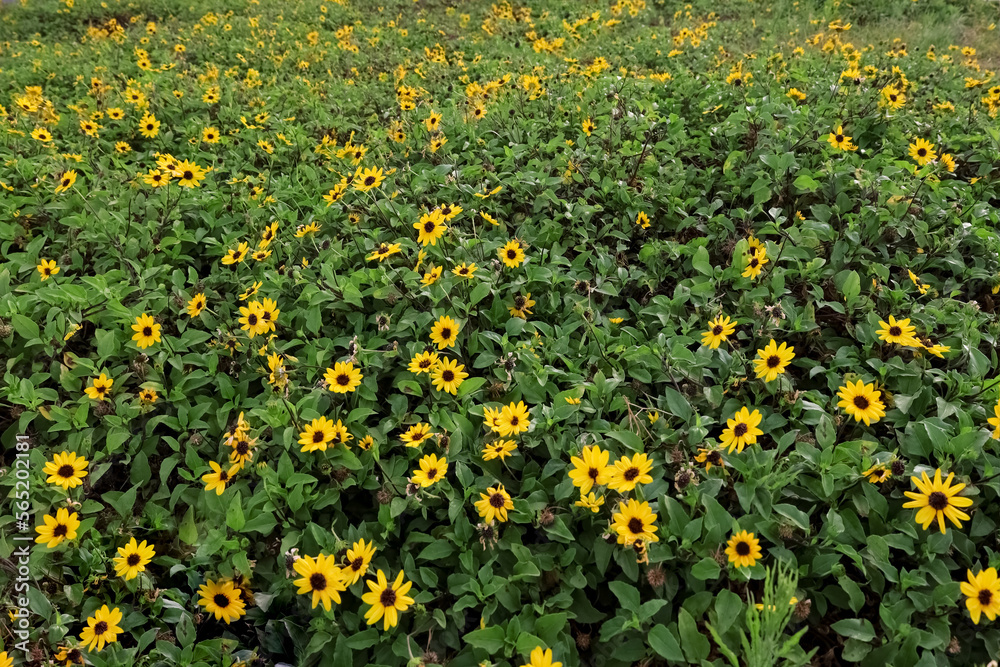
(627, 473)
(437, 143)
(522, 306)
(994, 421)
(899, 332)
(316, 435)
(218, 478)
(133, 558)
(861, 401)
(513, 419)
(755, 263)
(416, 434)
(710, 457)
(591, 501)
(116, 113)
(449, 211)
(149, 127)
(67, 656)
(922, 151)
(48, 268)
(433, 121)
(210, 135)
(357, 559)
(937, 500)
(147, 331)
(56, 529)
(878, 473)
(322, 578)
(431, 276)
(343, 378)
(189, 174)
(430, 227)
(148, 396)
(773, 360)
(66, 181)
(66, 469)
(102, 628)
(268, 234)
(840, 141)
(100, 387)
(366, 442)
(634, 521)
(444, 332)
(743, 549)
(448, 376)
(588, 127)
(892, 98)
(365, 180)
(236, 255)
(982, 593)
(741, 430)
(41, 134)
(196, 305)
(512, 254)
(719, 330)
(156, 178)
(499, 449)
(948, 162)
(642, 220)
(590, 470)
(541, 658)
(223, 599)
(423, 362)
(489, 218)
(431, 470)
(494, 504)
(383, 251)
(464, 271)
(251, 319)
(386, 599)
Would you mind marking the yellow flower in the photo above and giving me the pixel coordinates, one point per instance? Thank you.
(591, 501)
(357, 559)
(448, 376)
(512, 254)
(493, 504)
(102, 628)
(321, 577)
(773, 360)
(218, 478)
(634, 521)
(54, 530)
(743, 549)
(133, 558)
(982, 593)
(922, 151)
(386, 600)
(223, 599)
(755, 263)
(741, 430)
(431, 470)
(444, 332)
(541, 658)
(343, 378)
(100, 387)
(66, 469)
(719, 330)
(48, 268)
(937, 500)
(627, 473)
(898, 332)
(147, 331)
(861, 401)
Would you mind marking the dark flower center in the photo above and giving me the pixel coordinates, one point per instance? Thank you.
(892, 97)
(387, 598)
(497, 500)
(100, 628)
(446, 333)
(773, 361)
(937, 500)
(511, 254)
(593, 473)
(861, 402)
(317, 581)
(922, 152)
(737, 82)
(432, 473)
(65, 182)
(514, 421)
(740, 430)
(714, 457)
(717, 330)
(221, 601)
(631, 474)
(895, 331)
(147, 331)
(447, 376)
(430, 226)
(252, 319)
(60, 531)
(425, 363)
(242, 448)
(635, 526)
(223, 475)
(188, 175)
(519, 302)
(985, 597)
(370, 180)
(839, 138)
(66, 471)
(343, 380)
(357, 563)
(133, 560)
(318, 436)
(743, 548)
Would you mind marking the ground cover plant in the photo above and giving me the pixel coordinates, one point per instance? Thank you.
(543, 333)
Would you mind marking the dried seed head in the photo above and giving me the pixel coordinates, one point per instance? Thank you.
(656, 577)
(547, 517)
(104, 408)
(898, 468)
(802, 609)
(384, 496)
(583, 640)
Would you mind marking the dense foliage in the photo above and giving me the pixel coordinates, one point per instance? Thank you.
(350, 334)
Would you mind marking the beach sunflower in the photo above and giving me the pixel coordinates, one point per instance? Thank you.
(133, 559)
(423, 362)
(719, 331)
(523, 303)
(937, 500)
(512, 254)
(356, 561)
(634, 521)
(41, 134)
(156, 178)
(922, 151)
(66, 181)
(899, 332)
(741, 430)
(431, 276)
(343, 378)
(541, 658)
(444, 332)
(493, 504)
(251, 320)
(386, 599)
(196, 305)
(223, 599)
(709, 458)
(590, 468)
(66, 469)
(433, 121)
(100, 387)
(148, 396)
(982, 594)
(102, 628)
(743, 549)
(54, 530)
(218, 478)
(994, 421)
(147, 331)
(773, 360)
(430, 227)
(149, 127)
(431, 470)
(317, 434)
(499, 449)
(384, 251)
(627, 473)
(322, 577)
(189, 174)
(448, 376)
(590, 501)
(236, 255)
(210, 135)
(861, 401)
(47, 268)
(840, 141)
(416, 434)
(642, 220)
(365, 180)
(588, 127)
(755, 263)
(513, 419)
(65, 655)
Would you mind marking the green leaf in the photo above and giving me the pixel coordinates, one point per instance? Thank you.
(489, 639)
(24, 327)
(701, 262)
(855, 628)
(188, 531)
(696, 645)
(627, 438)
(706, 568)
(627, 594)
(234, 514)
(662, 640)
